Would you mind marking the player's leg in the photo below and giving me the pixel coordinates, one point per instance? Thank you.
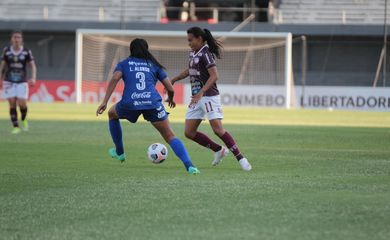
(10, 95)
(22, 96)
(191, 132)
(13, 115)
(194, 117)
(216, 125)
(116, 134)
(164, 128)
(22, 103)
(211, 107)
(215, 115)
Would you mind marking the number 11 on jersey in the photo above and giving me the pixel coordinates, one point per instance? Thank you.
(209, 109)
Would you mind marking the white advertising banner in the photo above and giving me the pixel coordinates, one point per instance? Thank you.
(348, 98)
(247, 95)
(313, 97)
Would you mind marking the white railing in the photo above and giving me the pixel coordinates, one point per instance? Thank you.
(330, 12)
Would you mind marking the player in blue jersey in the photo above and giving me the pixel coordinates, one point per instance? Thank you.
(205, 100)
(140, 73)
(13, 78)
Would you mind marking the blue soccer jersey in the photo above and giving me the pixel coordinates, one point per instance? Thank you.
(140, 77)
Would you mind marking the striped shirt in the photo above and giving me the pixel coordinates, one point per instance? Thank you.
(199, 63)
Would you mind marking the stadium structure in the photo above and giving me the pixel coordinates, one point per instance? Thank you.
(305, 99)
(336, 43)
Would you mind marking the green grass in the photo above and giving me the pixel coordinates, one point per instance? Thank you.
(233, 115)
(314, 177)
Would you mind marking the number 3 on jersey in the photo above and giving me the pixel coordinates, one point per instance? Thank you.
(141, 78)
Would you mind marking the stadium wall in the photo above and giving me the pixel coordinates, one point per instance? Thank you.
(311, 97)
(346, 98)
(332, 60)
(337, 55)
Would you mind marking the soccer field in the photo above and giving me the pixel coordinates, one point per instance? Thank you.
(316, 175)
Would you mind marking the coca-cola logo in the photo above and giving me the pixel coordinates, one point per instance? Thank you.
(141, 95)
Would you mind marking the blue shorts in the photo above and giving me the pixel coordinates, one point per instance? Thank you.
(151, 115)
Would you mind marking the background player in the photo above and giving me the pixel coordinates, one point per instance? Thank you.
(140, 73)
(14, 61)
(205, 99)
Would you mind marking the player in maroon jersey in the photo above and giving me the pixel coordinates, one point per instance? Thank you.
(205, 100)
(15, 59)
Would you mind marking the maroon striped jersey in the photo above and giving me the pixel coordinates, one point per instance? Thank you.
(16, 63)
(199, 63)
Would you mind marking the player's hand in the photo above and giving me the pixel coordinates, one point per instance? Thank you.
(101, 109)
(195, 98)
(172, 81)
(171, 103)
(31, 82)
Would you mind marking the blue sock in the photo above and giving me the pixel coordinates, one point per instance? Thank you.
(181, 152)
(116, 134)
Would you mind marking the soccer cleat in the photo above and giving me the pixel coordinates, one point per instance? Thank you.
(245, 165)
(16, 130)
(193, 170)
(218, 156)
(25, 125)
(113, 154)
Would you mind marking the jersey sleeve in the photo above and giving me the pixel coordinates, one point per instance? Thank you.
(119, 68)
(161, 74)
(29, 56)
(208, 60)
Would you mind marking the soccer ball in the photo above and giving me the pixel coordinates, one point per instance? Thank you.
(157, 153)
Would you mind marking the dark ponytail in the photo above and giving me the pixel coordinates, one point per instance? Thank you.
(139, 48)
(215, 46)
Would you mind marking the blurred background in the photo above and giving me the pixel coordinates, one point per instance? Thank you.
(336, 43)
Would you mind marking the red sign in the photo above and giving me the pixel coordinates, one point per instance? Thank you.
(92, 91)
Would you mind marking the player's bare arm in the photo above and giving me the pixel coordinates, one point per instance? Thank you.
(181, 76)
(33, 78)
(170, 91)
(2, 64)
(213, 72)
(110, 89)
